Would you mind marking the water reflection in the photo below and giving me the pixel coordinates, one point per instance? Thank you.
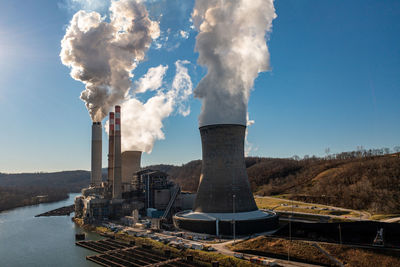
(43, 241)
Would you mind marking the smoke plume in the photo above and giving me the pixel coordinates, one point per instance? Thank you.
(142, 122)
(103, 54)
(232, 45)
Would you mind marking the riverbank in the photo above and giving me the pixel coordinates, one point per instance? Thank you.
(41, 241)
(17, 197)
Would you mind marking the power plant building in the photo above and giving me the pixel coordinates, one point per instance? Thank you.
(224, 203)
(128, 189)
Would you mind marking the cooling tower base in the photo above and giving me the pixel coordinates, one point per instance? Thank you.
(246, 223)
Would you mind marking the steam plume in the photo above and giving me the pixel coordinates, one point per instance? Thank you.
(103, 54)
(232, 45)
(142, 122)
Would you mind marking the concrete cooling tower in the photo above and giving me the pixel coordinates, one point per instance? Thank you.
(224, 203)
(130, 165)
(95, 174)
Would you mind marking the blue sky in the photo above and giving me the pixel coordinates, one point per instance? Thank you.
(335, 82)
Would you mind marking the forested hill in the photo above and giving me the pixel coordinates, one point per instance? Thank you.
(23, 189)
(72, 181)
(351, 179)
(367, 180)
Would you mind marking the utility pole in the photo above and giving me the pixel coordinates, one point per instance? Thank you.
(234, 222)
(290, 237)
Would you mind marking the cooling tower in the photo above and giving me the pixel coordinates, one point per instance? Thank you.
(224, 196)
(223, 171)
(117, 182)
(95, 175)
(111, 149)
(130, 165)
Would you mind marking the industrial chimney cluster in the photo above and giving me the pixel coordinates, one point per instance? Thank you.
(128, 189)
(114, 172)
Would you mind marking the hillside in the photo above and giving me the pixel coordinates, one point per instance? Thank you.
(369, 182)
(73, 181)
(22, 189)
(366, 181)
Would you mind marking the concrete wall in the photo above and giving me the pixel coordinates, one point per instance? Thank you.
(161, 198)
(130, 165)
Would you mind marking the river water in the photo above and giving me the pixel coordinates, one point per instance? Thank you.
(43, 241)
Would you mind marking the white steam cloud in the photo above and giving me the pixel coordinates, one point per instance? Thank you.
(152, 80)
(142, 122)
(103, 54)
(90, 5)
(232, 45)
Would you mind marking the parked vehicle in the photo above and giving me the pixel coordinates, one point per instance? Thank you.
(238, 255)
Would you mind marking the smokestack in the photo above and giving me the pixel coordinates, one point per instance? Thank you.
(223, 177)
(130, 165)
(117, 182)
(95, 176)
(111, 149)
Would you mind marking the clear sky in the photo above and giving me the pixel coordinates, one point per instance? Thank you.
(335, 82)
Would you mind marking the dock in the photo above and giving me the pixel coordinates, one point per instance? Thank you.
(115, 253)
(63, 211)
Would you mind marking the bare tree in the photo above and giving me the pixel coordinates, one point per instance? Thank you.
(327, 151)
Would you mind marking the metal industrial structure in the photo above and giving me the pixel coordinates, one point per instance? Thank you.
(128, 190)
(224, 204)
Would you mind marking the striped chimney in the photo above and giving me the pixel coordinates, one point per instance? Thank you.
(111, 148)
(117, 183)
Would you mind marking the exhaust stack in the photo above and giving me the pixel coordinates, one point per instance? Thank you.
(117, 182)
(95, 175)
(111, 149)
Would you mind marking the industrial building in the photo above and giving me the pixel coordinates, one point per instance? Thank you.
(129, 191)
(223, 205)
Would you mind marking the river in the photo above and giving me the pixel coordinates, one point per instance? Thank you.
(43, 241)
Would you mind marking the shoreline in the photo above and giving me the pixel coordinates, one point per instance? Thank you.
(36, 204)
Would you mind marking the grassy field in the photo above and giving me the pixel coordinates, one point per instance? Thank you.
(305, 251)
(279, 203)
(384, 216)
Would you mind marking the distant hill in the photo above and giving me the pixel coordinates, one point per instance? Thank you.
(22, 189)
(350, 180)
(367, 180)
(72, 181)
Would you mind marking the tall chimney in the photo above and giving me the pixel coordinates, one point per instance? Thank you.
(111, 149)
(95, 175)
(117, 183)
(224, 185)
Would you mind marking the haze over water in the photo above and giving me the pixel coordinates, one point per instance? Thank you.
(43, 241)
